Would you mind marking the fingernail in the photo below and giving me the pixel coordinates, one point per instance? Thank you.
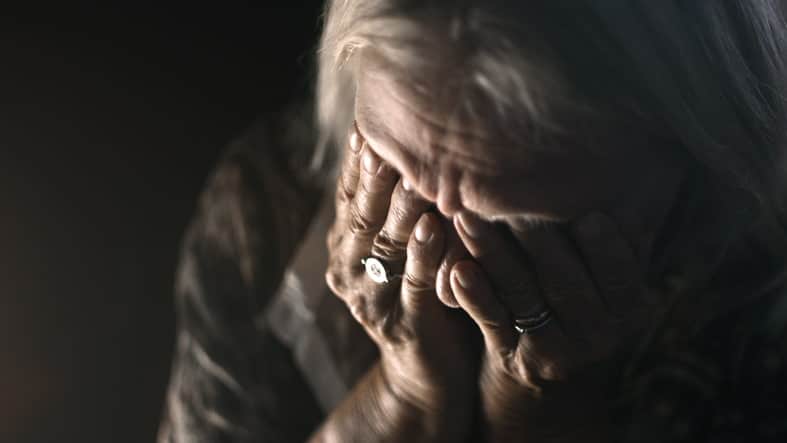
(370, 162)
(406, 185)
(465, 278)
(444, 291)
(422, 232)
(472, 225)
(355, 141)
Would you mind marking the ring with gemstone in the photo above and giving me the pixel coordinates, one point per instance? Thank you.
(528, 325)
(377, 270)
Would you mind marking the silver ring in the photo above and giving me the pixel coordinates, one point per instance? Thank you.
(528, 325)
(377, 270)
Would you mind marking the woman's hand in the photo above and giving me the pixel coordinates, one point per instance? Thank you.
(550, 383)
(425, 368)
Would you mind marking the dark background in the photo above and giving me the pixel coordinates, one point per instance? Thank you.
(110, 121)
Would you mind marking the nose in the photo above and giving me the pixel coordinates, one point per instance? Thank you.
(449, 202)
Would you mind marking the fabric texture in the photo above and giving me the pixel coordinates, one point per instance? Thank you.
(232, 379)
(264, 351)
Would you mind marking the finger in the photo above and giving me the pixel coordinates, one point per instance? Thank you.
(612, 262)
(542, 354)
(533, 352)
(475, 296)
(350, 171)
(505, 264)
(455, 252)
(405, 209)
(346, 185)
(564, 281)
(374, 306)
(369, 208)
(424, 252)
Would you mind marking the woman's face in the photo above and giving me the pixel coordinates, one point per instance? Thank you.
(455, 162)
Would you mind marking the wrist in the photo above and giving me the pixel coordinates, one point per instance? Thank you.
(547, 411)
(436, 413)
(370, 414)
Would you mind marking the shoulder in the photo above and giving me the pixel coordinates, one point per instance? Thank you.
(251, 216)
(726, 382)
(760, 383)
(258, 201)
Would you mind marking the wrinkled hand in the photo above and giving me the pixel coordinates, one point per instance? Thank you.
(551, 381)
(424, 353)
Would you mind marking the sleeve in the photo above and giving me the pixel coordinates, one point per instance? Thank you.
(231, 379)
(725, 383)
(763, 391)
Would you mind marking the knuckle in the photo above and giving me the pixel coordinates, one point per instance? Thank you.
(370, 186)
(512, 363)
(423, 259)
(370, 306)
(417, 252)
(359, 311)
(332, 239)
(380, 319)
(389, 329)
(398, 333)
(387, 247)
(553, 371)
(400, 212)
(493, 325)
(335, 282)
(344, 193)
(340, 276)
(415, 284)
(361, 225)
(375, 312)
(534, 369)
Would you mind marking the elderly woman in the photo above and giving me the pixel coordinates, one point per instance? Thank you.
(553, 221)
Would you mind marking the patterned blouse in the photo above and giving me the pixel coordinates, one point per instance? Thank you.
(264, 351)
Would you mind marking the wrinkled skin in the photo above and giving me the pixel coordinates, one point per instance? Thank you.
(425, 361)
(534, 385)
(584, 260)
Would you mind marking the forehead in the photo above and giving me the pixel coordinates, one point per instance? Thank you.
(429, 117)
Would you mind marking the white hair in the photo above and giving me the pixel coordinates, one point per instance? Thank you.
(411, 36)
(705, 78)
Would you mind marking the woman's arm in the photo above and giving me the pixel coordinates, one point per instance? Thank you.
(232, 380)
(373, 412)
(423, 387)
(558, 310)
